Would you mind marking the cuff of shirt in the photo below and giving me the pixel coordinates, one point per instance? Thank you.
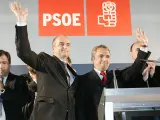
(151, 74)
(21, 23)
(144, 49)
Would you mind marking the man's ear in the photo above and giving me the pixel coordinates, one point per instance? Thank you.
(92, 59)
(9, 66)
(52, 50)
(131, 54)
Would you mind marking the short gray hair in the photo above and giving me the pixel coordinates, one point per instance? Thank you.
(94, 50)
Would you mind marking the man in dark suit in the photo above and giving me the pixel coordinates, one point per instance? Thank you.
(150, 76)
(56, 84)
(16, 94)
(91, 84)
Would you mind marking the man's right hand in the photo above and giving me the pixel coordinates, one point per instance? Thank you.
(20, 13)
(141, 37)
(146, 71)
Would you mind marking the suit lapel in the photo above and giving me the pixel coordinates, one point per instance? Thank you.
(96, 77)
(9, 78)
(72, 71)
(109, 75)
(61, 72)
(66, 73)
(11, 81)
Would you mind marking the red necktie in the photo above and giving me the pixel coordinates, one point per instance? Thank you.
(104, 80)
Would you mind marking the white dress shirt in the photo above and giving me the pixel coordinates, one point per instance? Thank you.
(5, 79)
(99, 73)
(2, 113)
(71, 77)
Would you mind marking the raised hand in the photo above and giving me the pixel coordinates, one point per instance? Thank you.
(141, 37)
(20, 13)
(146, 71)
(152, 67)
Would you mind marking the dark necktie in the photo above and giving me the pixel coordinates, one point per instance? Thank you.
(104, 80)
(67, 73)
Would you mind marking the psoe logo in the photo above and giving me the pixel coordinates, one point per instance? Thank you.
(65, 19)
(108, 17)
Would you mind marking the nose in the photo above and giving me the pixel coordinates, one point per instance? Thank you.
(65, 46)
(105, 58)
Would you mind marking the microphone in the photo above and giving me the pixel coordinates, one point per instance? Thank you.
(115, 79)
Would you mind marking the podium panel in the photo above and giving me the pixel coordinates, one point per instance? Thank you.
(132, 99)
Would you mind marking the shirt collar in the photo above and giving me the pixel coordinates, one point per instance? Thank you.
(64, 61)
(99, 73)
(5, 77)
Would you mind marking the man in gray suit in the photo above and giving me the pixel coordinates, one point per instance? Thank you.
(56, 84)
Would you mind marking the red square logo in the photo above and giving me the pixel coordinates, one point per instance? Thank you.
(110, 18)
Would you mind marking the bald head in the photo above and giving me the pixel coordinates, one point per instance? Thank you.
(134, 49)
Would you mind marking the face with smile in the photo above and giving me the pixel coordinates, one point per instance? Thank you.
(101, 58)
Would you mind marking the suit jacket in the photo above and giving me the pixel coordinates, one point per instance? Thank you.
(138, 82)
(32, 87)
(90, 88)
(15, 97)
(55, 98)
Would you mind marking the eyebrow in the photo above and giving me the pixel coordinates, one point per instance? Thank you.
(64, 42)
(104, 55)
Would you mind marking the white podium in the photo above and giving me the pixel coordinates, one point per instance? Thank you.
(131, 99)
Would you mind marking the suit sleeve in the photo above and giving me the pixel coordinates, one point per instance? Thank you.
(136, 68)
(24, 51)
